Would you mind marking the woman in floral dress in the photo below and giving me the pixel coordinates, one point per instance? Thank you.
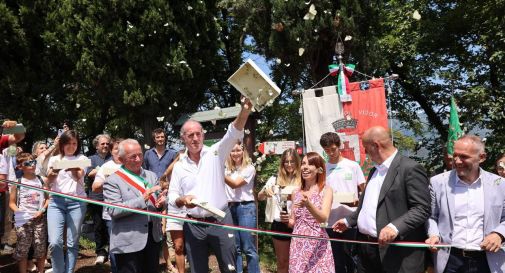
(312, 204)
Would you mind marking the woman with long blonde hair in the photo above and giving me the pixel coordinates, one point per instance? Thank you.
(288, 175)
(239, 179)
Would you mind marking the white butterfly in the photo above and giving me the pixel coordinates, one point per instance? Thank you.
(416, 15)
(301, 50)
(160, 119)
(348, 38)
(175, 104)
(311, 14)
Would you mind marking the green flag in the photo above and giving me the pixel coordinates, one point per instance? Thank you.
(454, 128)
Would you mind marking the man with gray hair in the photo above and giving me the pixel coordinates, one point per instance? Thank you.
(199, 175)
(102, 155)
(135, 238)
(468, 213)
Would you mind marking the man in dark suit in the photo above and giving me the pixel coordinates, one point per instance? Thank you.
(394, 206)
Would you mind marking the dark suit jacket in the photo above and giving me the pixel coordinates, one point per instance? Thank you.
(404, 201)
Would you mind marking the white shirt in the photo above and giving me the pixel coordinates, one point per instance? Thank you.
(65, 182)
(204, 180)
(345, 176)
(100, 179)
(275, 200)
(367, 223)
(245, 192)
(468, 230)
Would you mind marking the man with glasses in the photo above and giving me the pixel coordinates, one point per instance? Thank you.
(102, 155)
(199, 174)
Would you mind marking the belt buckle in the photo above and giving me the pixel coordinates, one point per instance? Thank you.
(463, 253)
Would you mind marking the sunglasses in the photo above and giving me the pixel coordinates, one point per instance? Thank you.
(30, 163)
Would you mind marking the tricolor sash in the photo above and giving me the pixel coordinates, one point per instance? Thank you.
(135, 181)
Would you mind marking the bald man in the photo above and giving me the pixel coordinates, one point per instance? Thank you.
(394, 206)
(468, 212)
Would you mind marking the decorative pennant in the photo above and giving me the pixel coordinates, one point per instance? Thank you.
(343, 72)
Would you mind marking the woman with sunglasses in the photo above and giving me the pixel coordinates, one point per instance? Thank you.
(276, 212)
(64, 211)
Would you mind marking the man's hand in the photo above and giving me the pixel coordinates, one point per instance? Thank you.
(340, 226)
(432, 241)
(185, 201)
(246, 103)
(387, 235)
(161, 199)
(492, 242)
(150, 191)
(9, 124)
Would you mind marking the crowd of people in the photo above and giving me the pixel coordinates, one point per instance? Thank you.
(309, 196)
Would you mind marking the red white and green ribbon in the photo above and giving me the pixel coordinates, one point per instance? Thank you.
(343, 72)
(225, 226)
(136, 181)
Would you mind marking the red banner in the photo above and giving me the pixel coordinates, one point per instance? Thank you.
(367, 109)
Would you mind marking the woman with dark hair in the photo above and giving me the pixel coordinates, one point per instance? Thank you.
(63, 211)
(288, 175)
(312, 204)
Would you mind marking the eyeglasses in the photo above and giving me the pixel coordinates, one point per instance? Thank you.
(30, 163)
(288, 162)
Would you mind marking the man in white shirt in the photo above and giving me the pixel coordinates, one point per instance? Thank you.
(468, 212)
(199, 174)
(394, 206)
(343, 176)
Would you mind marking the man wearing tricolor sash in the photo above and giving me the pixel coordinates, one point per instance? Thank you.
(135, 237)
(199, 175)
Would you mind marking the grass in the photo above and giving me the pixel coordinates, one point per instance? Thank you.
(86, 243)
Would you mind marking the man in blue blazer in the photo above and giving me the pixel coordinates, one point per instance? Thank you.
(468, 212)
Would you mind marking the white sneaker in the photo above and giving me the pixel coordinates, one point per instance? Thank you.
(100, 259)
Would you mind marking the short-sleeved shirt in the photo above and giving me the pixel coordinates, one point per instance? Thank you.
(156, 164)
(244, 193)
(204, 180)
(64, 181)
(97, 161)
(100, 175)
(345, 176)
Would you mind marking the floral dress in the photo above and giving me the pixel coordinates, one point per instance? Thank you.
(309, 255)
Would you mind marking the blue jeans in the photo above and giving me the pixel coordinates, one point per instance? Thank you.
(61, 212)
(244, 214)
(112, 259)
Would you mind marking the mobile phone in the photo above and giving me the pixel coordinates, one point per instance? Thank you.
(60, 131)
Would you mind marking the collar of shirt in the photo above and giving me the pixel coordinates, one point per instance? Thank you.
(384, 167)
(185, 155)
(474, 184)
